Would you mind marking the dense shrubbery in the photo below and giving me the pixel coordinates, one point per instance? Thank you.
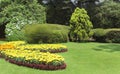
(80, 25)
(19, 13)
(107, 35)
(46, 33)
(113, 36)
(99, 35)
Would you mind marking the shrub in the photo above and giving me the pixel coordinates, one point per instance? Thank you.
(80, 25)
(19, 13)
(113, 36)
(99, 35)
(46, 33)
(107, 35)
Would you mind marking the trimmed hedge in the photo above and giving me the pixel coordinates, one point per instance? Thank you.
(113, 36)
(46, 33)
(107, 35)
(99, 35)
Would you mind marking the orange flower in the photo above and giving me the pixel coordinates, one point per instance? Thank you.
(6, 46)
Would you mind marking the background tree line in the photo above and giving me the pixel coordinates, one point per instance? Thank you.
(103, 13)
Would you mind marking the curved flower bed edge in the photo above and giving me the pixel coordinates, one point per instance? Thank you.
(37, 66)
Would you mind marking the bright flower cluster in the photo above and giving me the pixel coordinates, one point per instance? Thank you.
(11, 45)
(40, 47)
(29, 55)
(34, 57)
(15, 43)
(6, 46)
(44, 47)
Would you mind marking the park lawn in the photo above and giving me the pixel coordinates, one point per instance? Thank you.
(81, 58)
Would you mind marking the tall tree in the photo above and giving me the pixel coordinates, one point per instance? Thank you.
(60, 11)
(107, 15)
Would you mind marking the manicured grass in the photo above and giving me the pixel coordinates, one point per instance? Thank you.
(81, 58)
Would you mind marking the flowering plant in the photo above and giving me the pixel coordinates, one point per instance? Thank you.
(44, 47)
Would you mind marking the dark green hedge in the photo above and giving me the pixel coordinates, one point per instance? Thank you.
(113, 36)
(46, 33)
(99, 35)
(107, 35)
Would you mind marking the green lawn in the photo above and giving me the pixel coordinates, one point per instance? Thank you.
(81, 58)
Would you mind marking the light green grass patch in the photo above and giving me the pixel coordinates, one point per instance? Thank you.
(81, 58)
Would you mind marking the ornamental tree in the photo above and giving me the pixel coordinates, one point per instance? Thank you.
(80, 25)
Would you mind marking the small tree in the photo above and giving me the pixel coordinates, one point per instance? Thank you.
(80, 25)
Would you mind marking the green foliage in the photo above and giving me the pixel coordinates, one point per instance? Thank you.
(46, 33)
(99, 35)
(18, 14)
(4, 3)
(80, 25)
(113, 36)
(107, 15)
(25, 2)
(59, 11)
(107, 35)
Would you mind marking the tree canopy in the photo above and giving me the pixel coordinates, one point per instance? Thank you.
(19, 13)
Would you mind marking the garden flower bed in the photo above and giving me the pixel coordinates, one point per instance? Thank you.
(33, 55)
(15, 43)
(34, 59)
(53, 48)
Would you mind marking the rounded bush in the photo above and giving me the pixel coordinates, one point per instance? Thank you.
(113, 36)
(107, 35)
(99, 35)
(46, 33)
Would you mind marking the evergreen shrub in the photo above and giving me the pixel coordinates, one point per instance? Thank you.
(46, 33)
(80, 25)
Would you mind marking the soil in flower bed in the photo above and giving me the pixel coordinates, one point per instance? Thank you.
(37, 66)
(55, 51)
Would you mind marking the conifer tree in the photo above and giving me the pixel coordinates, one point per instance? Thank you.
(80, 25)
